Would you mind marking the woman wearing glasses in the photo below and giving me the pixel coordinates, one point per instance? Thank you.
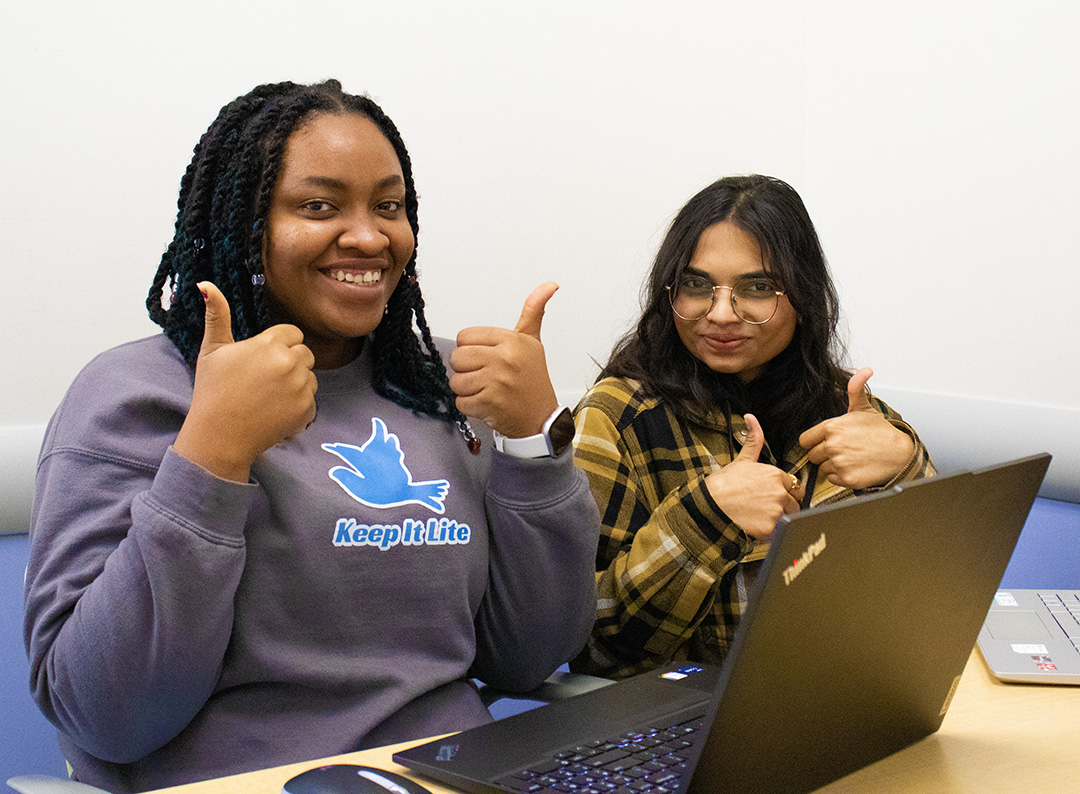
(724, 409)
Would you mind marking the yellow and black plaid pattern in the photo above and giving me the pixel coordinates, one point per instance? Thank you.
(673, 571)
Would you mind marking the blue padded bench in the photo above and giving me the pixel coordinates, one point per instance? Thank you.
(27, 740)
(1048, 552)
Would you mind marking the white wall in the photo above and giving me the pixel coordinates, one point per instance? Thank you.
(549, 140)
(934, 143)
(943, 170)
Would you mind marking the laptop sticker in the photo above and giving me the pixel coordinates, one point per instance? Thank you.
(1005, 600)
(1028, 649)
(447, 752)
(682, 672)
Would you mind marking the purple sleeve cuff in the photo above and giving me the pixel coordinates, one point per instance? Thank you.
(200, 500)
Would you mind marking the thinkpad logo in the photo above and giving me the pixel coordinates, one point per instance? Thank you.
(797, 567)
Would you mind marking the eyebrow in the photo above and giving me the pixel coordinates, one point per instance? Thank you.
(333, 183)
(755, 274)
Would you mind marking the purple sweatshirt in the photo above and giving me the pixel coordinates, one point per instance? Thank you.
(182, 627)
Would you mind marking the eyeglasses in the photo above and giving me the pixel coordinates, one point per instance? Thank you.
(754, 300)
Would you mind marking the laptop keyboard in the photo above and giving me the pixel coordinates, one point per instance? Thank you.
(649, 761)
(1065, 609)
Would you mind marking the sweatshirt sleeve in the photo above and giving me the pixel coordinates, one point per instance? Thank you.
(660, 554)
(131, 550)
(540, 602)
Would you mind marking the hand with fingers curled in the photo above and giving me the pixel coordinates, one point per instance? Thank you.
(861, 448)
(248, 395)
(754, 495)
(501, 376)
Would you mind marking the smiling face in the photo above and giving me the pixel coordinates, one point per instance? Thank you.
(724, 255)
(338, 238)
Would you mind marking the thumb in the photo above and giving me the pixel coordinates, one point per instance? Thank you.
(533, 312)
(858, 396)
(753, 441)
(218, 319)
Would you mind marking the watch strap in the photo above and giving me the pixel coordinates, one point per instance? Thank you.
(556, 435)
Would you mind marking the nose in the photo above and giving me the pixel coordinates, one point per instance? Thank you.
(722, 310)
(362, 233)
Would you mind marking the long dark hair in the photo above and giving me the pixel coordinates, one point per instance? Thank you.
(225, 196)
(802, 385)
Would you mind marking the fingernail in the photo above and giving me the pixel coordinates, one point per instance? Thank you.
(204, 293)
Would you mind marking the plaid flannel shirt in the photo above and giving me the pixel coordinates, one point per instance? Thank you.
(673, 571)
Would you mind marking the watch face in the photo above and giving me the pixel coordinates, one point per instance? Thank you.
(561, 431)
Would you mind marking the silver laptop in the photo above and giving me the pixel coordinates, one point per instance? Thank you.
(859, 627)
(1033, 636)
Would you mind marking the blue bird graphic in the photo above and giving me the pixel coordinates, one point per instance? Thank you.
(376, 474)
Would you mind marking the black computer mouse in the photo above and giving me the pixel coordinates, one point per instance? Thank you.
(351, 779)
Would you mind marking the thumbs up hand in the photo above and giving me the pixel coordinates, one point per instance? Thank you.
(501, 375)
(858, 394)
(859, 449)
(754, 495)
(248, 395)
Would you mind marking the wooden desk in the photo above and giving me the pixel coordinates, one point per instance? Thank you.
(996, 738)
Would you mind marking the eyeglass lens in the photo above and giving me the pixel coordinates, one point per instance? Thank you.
(753, 300)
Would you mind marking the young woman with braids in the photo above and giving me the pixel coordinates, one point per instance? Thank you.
(723, 410)
(231, 571)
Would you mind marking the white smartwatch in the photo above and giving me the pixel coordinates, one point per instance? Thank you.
(556, 436)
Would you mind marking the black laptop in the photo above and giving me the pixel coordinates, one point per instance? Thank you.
(859, 627)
